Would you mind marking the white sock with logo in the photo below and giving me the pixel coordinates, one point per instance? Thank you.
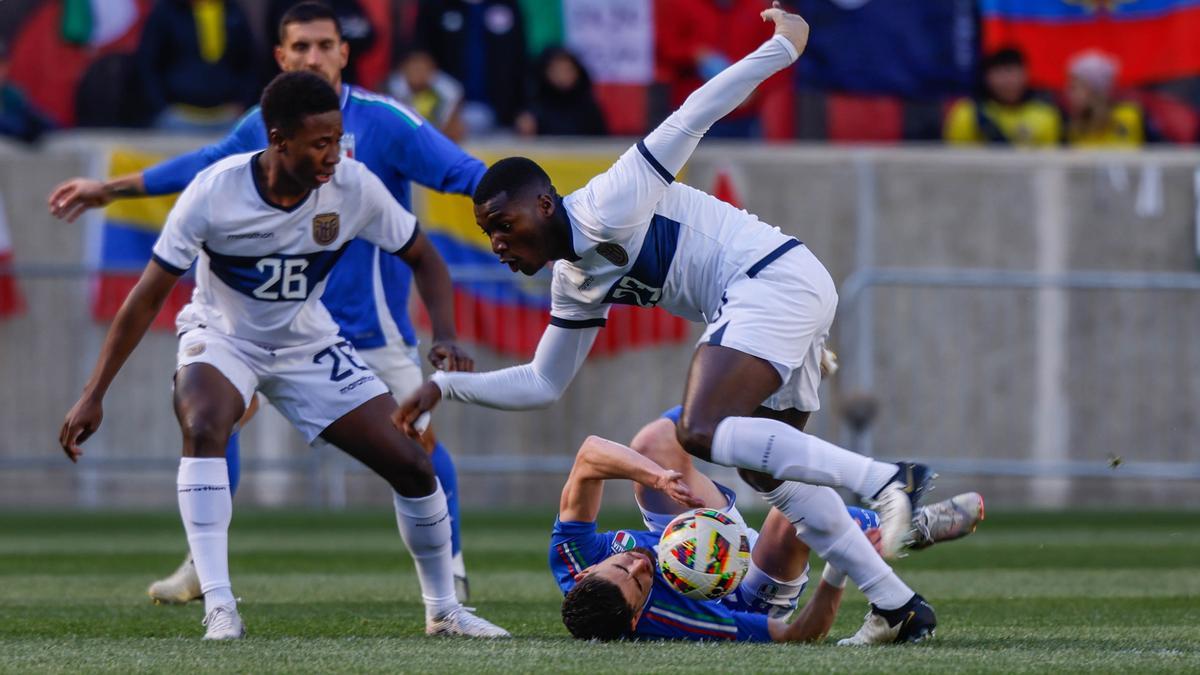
(783, 451)
(424, 524)
(822, 522)
(206, 508)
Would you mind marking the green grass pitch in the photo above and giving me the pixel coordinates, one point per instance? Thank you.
(324, 592)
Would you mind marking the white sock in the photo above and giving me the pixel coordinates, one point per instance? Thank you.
(785, 452)
(206, 508)
(424, 524)
(822, 522)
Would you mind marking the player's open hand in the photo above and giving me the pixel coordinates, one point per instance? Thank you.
(446, 355)
(791, 26)
(82, 421)
(671, 484)
(72, 198)
(421, 401)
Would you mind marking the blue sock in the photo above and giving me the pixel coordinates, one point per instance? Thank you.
(233, 461)
(865, 518)
(443, 466)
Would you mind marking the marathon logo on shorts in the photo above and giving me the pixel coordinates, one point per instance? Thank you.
(325, 228)
(355, 384)
(623, 542)
(195, 350)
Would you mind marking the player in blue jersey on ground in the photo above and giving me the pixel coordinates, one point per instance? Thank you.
(609, 579)
(264, 229)
(633, 235)
(367, 293)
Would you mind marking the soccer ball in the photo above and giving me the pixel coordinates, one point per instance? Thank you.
(704, 554)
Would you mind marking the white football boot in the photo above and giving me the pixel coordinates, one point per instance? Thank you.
(895, 504)
(947, 520)
(224, 624)
(462, 621)
(182, 587)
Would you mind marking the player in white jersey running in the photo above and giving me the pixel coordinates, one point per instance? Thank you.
(634, 236)
(264, 229)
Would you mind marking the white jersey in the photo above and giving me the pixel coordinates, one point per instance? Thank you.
(643, 239)
(262, 268)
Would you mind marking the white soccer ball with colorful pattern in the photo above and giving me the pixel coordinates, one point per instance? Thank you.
(704, 554)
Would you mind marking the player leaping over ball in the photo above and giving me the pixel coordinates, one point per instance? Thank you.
(264, 230)
(634, 236)
(612, 589)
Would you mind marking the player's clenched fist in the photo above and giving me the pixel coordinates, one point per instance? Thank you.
(423, 400)
(791, 26)
(81, 422)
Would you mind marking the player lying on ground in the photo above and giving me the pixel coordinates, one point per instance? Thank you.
(397, 145)
(610, 580)
(634, 236)
(264, 229)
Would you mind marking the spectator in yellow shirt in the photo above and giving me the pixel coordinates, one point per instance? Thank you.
(1094, 118)
(1005, 112)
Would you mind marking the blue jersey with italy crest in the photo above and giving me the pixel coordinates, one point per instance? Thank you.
(668, 615)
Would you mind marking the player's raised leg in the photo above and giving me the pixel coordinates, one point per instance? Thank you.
(718, 424)
(422, 516)
(208, 406)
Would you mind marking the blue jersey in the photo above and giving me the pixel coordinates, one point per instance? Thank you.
(667, 614)
(367, 293)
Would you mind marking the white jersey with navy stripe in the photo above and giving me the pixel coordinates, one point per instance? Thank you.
(643, 239)
(262, 268)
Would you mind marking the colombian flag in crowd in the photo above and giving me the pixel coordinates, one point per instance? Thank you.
(507, 312)
(127, 236)
(1154, 40)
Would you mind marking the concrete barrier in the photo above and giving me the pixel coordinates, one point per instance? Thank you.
(1030, 391)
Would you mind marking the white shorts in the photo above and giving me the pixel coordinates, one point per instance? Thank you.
(781, 315)
(657, 522)
(398, 365)
(313, 385)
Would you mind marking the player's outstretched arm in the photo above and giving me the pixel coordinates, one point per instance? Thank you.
(71, 198)
(537, 384)
(437, 293)
(599, 460)
(673, 142)
(131, 323)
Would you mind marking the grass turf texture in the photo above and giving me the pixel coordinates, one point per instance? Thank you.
(329, 592)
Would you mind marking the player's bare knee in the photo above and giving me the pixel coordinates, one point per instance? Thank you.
(411, 474)
(203, 437)
(696, 435)
(657, 441)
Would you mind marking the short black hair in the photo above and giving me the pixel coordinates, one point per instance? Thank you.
(512, 175)
(1006, 56)
(596, 609)
(291, 97)
(307, 12)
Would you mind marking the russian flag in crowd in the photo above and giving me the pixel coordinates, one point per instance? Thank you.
(1154, 40)
(127, 235)
(11, 300)
(508, 312)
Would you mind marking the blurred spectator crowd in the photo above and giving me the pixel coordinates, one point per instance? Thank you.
(962, 71)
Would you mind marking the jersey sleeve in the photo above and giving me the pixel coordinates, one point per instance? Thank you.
(423, 154)
(574, 546)
(174, 174)
(626, 194)
(184, 233)
(569, 309)
(388, 225)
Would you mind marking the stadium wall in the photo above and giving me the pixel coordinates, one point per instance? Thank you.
(1025, 321)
